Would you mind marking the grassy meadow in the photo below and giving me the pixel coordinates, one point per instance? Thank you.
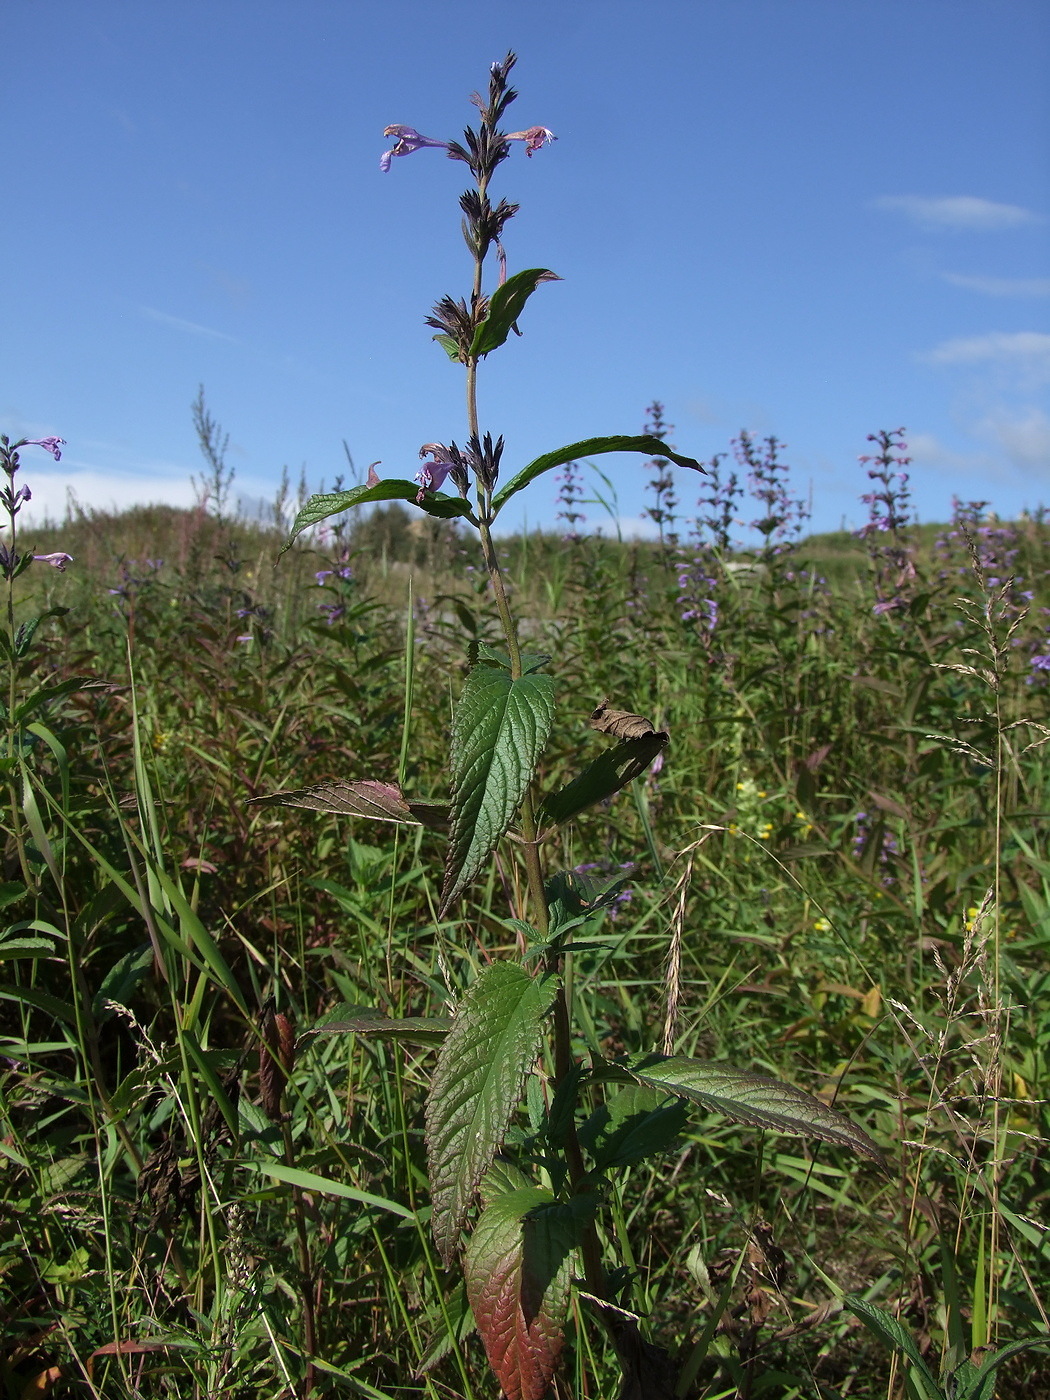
(839, 876)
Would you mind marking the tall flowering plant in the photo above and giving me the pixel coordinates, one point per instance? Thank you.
(889, 517)
(21, 711)
(521, 1221)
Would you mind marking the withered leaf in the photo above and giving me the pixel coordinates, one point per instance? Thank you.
(382, 802)
(622, 723)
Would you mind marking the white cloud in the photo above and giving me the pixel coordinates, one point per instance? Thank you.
(104, 491)
(191, 327)
(1024, 440)
(957, 211)
(1001, 286)
(1027, 352)
(928, 452)
(630, 527)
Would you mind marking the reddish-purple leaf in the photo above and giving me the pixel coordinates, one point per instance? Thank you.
(517, 1274)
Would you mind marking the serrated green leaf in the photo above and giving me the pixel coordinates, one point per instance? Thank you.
(320, 507)
(609, 772)
(500, 1179)
(498, 732)
(26, 948)
(889, 1331)
(450, 347)
(10, 892)
(505, 306)
(530, 660)
(631, 1126)
(751, 1098)
(58, 1010)
(451, 1323)
(981, 1385)
(476, 1086)
(589, 447)
(366, 1020)
(575, 897)
(47, 693)
(121, 980)
(517, 1274)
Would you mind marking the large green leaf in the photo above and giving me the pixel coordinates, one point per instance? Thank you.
(498, 733)
(608, 773)
(752, 1098)
(897, 1337)
(980, 1385)
(517, 1273)
(477, 1082)
(320, 507)
(589, 447)
(506, 305)
(632, 1125)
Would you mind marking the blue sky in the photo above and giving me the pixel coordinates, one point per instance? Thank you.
(813, 218)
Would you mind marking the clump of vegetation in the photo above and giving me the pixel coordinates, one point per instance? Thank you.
(270, 991)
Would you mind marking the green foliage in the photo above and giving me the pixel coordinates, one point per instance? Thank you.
(506, 305)
(500, 729)
(837, 879)
(475, 1088)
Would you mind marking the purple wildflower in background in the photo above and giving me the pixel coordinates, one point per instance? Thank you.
(662, 483)
(49, 444)
(889, 514)
(783, 515)
(720, 516)
(888, 847)
(570, 495)
(408, 140)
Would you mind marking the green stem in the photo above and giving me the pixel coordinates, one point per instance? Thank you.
(563, 1060)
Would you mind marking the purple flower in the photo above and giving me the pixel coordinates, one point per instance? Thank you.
(49, 444)
(408, 140)
(58, 561)
(431, 476)
(535, 138)
(321, 575)
(1040, 663)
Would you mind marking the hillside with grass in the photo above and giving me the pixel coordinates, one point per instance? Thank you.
(836, 876)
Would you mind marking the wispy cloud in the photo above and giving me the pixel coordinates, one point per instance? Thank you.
(1025, 351)
(1024, 439)
(962, 211)
(1001, 286)
(93, 489)
(191, 327)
